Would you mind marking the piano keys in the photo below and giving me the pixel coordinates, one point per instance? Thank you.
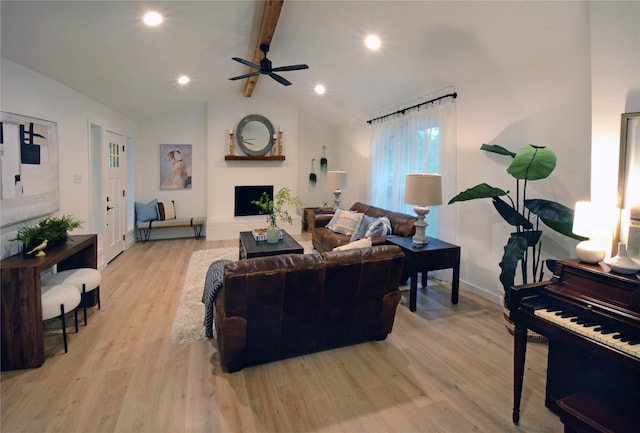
(590, 327)
(591, 318)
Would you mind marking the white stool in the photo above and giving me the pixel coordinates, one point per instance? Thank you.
(57, 300)
(85, 279)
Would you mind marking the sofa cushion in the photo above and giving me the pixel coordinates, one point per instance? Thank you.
(166, 210)
(146, 211)
(359, 232)
(380, 227)
(344, 222)
(360, 243)
(372, 226)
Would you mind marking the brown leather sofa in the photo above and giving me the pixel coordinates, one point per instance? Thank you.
(277, 307)
(324, 239)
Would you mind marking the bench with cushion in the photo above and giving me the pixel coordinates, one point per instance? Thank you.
(162, 215)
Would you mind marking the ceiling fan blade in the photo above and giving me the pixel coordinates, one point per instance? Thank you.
(240, 77)
(290, 68)
(246, 62)
(280, 79)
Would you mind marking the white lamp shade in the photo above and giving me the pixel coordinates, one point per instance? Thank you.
(594, 220)
(423, 189)
(337, 179)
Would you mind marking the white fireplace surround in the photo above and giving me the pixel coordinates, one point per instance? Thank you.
(224, 175)
(230, 229)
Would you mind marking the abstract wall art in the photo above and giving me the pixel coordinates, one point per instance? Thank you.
(29, 185)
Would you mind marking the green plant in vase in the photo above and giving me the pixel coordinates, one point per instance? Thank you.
(49, 232)
(524, 246)
(276, 209)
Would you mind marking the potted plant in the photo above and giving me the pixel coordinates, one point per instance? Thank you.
(524, 246)
(53, 230)
(275, 209)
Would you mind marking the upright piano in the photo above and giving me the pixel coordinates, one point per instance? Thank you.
(591, 318)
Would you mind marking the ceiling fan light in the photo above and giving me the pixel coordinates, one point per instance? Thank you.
(152, 18)
(183, 79)
(320, 89)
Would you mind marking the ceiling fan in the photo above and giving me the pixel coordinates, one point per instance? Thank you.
(266, 69)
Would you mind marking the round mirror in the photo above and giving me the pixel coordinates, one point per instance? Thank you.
(255, 135)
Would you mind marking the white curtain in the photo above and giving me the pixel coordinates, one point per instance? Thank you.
(422, 140)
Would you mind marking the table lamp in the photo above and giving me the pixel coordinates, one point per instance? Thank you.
(337, 181)
(595, 222)
(422, 189)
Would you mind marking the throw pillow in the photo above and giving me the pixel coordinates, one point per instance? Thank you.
(344, 222)
(360, 243)
(380, 227)
(146, 212)
(166, 210)
(362, 227)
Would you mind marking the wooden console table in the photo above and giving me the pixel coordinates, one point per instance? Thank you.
(20, 299)
(435, 255)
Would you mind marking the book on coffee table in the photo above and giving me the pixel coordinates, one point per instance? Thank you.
(261, 234)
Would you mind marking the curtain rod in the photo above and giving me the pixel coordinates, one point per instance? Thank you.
(453, 95)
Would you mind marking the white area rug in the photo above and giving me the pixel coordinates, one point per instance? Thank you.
(188, 324)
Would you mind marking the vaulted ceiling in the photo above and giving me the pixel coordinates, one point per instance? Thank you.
(102, 50)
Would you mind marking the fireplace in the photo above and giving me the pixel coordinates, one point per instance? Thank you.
(244, 195)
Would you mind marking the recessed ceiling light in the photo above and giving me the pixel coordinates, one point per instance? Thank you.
(319, 89)
(372, 42)
(183, 80)
(152, 18)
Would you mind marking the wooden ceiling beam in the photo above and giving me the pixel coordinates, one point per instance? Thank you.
(270, 17)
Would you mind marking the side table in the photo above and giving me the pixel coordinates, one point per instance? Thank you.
(22, 335)
(434, 255)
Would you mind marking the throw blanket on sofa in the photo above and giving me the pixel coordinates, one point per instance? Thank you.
(212, 285)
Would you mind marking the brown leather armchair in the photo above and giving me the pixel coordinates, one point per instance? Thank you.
(276, 307)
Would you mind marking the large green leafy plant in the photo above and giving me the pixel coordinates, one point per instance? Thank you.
(524, 246)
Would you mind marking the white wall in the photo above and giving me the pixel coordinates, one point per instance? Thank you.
(223, 176)
(187, 126)
(544, 101)
(28, 93)
(313, 135)
(557, 101)
(615, 88)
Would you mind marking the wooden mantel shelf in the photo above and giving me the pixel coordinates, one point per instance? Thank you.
(253, 158)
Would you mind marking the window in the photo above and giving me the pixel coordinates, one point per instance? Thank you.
(410, 143)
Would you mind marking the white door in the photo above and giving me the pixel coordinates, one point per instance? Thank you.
(114, 195)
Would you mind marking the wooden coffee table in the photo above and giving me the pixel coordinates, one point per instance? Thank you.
(250, 248)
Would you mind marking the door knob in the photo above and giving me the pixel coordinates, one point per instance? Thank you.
(109, 208)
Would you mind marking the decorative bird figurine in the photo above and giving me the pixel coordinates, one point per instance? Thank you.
(40, 249)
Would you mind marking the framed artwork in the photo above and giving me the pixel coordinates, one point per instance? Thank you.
(29, 185)
(175, 166)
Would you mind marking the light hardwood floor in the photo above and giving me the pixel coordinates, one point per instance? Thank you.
(446, 368)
